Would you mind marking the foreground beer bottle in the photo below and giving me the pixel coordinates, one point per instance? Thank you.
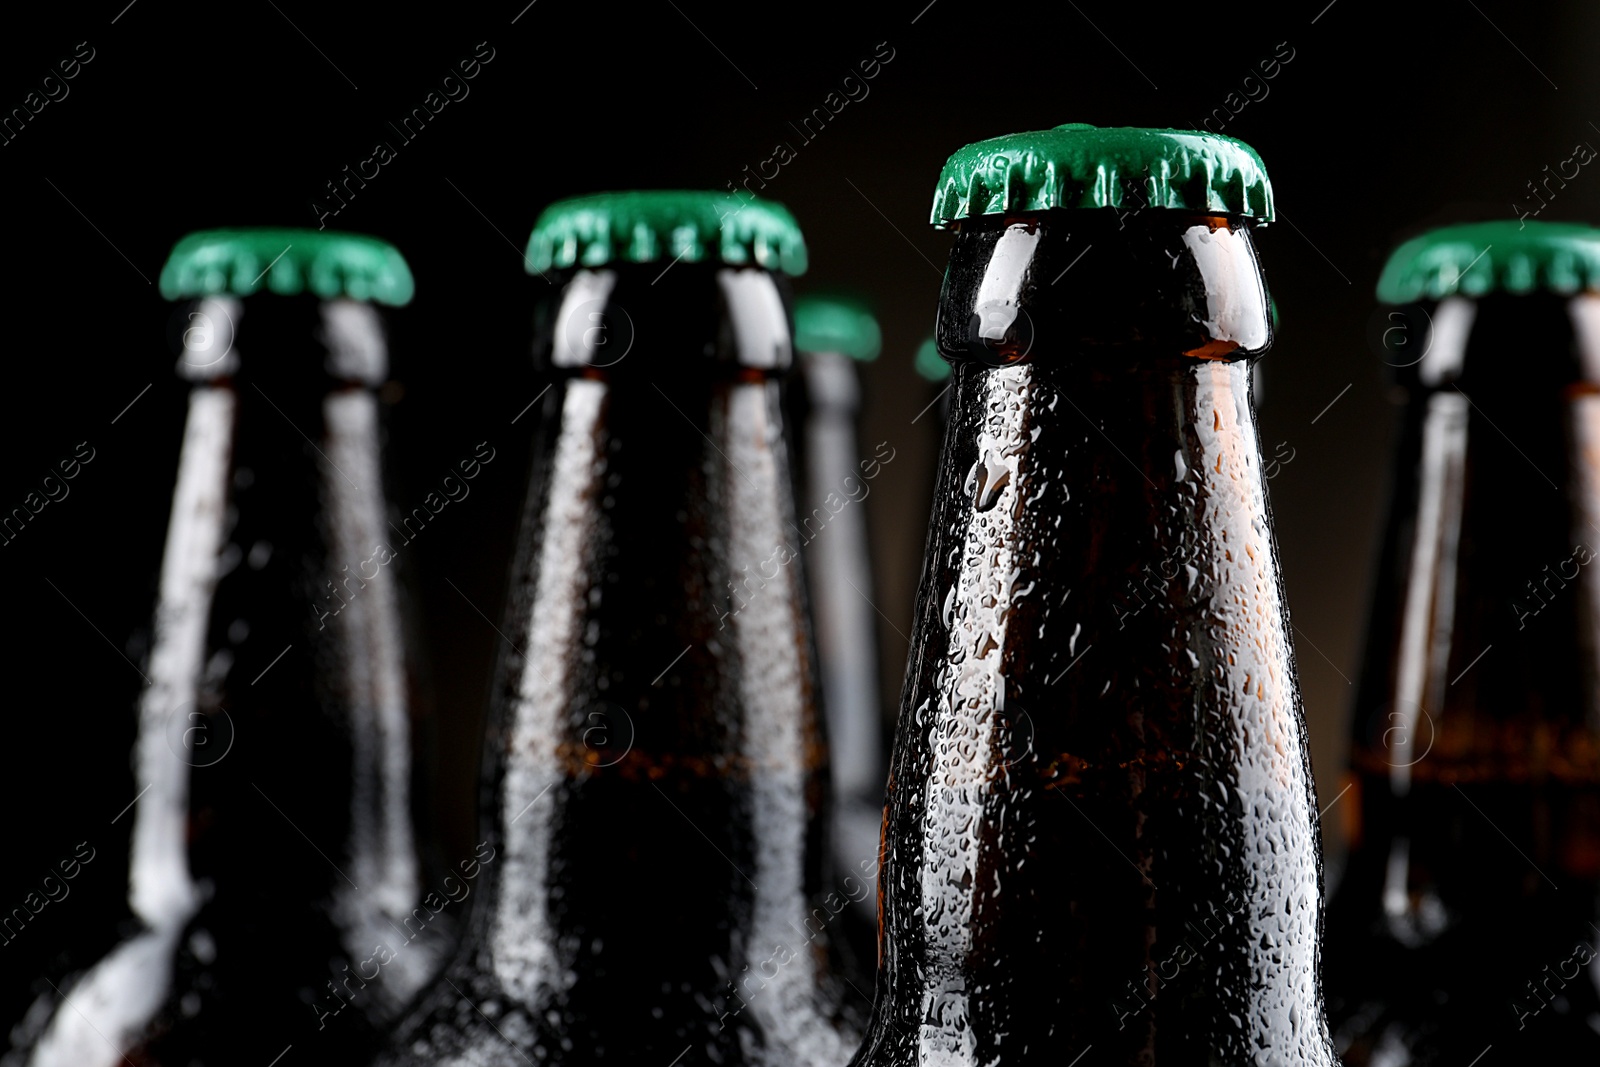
(1101, 839)
(1466, 916)
(272, 850)
(833, 334)
(657, 789)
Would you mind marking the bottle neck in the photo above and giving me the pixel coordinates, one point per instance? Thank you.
(834, 536)
(1160, 283)
(1481, 668)
(658, 707)
(1101, 829)
(640, 323)
(278, 620)
(1495, 515)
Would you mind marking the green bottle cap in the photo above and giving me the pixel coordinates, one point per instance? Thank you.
(840, 324)
(929, 363)
(324, 262)
(1083, 166)
(660, 226)
(1482, 257)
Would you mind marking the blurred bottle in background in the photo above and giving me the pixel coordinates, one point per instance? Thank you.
(1466, 915)
(1101, 838)
(832, 334)
(274, 874)
(657, 794)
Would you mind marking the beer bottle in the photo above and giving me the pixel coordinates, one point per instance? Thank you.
(1101, 836)
(273, 871)
(1466, 915)
(833, 333)
(656, 790)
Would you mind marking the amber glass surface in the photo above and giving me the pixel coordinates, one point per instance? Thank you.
(1466, 914)
(656, 785)
(1101, 840)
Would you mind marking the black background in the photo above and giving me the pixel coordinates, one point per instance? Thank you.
(1387, 117)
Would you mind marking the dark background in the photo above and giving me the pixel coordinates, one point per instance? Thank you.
(1386, 117)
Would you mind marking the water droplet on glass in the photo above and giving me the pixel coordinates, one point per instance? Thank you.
(995, 476)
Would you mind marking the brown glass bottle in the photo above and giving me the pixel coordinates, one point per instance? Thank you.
(1101, 844)
(833, 336)
(656, 789)
(272, 849)
(1466, 915)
